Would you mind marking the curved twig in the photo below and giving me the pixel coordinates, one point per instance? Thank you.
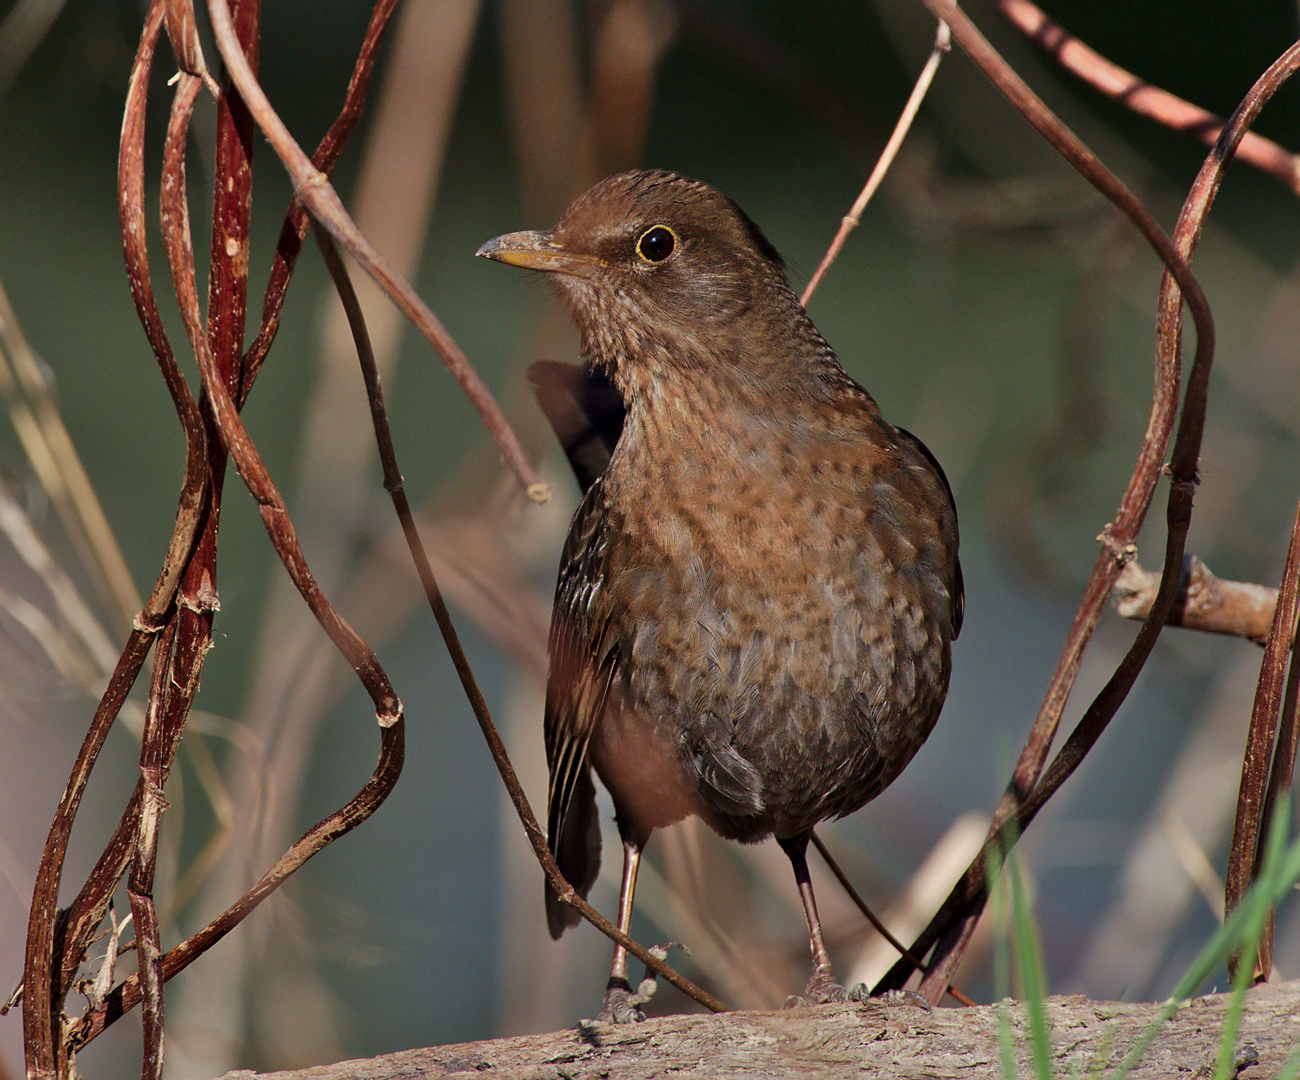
(248, 463)
(44, 988)
(954, 923)
(186, 568)
(362, 805)
(942, 44)
(1140, 96)
(88, 909)
(136, 253)
(314, 190)
(1186, 451)
(1120, 534)
(396, 487)
(295, 225)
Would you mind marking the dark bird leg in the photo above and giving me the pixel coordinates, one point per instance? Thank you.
(822, 987)
(621, 1005)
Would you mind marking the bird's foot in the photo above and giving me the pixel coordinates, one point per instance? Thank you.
(909, 998)
(621, 1004)
(822, 989)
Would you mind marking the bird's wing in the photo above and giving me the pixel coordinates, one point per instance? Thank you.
(958, 585)
(582, 669)
(585, 412)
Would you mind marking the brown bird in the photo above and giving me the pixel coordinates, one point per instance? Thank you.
(758, 594)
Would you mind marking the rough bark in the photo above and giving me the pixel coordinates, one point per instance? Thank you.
(874, 1039)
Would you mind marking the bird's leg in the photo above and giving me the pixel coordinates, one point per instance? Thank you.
(822, 987)
(621, 1005)
(631, 863)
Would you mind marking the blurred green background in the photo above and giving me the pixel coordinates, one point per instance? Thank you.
(990, 301)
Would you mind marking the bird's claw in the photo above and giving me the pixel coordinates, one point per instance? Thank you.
(621, 1005)
(822, 989)
(904, 997)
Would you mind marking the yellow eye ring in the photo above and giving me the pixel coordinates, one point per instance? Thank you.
(656, 244)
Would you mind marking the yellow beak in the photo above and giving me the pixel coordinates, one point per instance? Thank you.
(538, 251)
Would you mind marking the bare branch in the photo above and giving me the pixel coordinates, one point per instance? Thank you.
(1251, 824)
(314, 190)
(942, 43)
(1201, 602)
(396, 487)
(956, 920)
(954, 924)
(1140, 96)
(325, 832)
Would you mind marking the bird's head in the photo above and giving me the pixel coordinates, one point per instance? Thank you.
(659, 272)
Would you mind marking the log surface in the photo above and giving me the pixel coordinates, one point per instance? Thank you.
(872, 1039)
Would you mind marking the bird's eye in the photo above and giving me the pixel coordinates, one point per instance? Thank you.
(656, 244)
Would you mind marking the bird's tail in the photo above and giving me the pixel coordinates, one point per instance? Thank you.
(577, 850)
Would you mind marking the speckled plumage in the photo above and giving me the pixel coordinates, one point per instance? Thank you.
(757, 597)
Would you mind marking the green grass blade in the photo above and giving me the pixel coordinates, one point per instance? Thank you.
(1240, 930)
(1033, 984)
(1291, 1067)
(1002, 966)
(1270, 885)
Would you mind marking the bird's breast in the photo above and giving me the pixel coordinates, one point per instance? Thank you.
(753, 570)
(771, 617)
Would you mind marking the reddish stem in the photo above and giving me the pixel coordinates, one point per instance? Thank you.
(396, 487)
(313, 189)
(1140, 96)
(325, 159)
(1257, 792)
